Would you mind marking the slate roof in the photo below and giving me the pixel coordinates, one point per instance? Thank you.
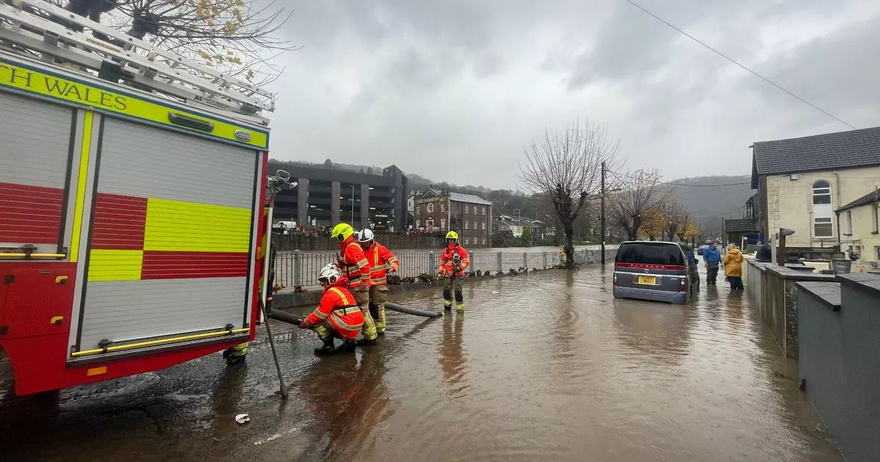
(854, 148)
(870, 198)
(740, 225)
(468, 198)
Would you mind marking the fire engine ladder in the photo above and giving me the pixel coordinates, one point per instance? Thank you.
(26, 28)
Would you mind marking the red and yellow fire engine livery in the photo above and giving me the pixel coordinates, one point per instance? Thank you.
(127, 243)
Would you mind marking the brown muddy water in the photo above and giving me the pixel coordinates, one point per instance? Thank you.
(547, 366)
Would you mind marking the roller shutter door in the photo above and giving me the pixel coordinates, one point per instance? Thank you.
(170, 237)
(35, 140)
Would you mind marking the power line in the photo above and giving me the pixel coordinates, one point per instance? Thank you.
(709, 185)
(740, 65)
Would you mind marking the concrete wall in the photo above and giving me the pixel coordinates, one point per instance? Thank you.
(840, 361)
(790, 203)
(776, 300)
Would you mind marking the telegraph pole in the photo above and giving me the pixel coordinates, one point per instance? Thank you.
(602, 214)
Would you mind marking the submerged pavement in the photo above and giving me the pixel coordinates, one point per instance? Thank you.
(545, 366)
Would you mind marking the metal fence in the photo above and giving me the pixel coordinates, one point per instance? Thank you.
(298, 268)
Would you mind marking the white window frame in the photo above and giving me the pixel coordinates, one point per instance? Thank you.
(429, 223)
(442, 207)
(821, 191)
(467, 224)
(418, 209)
(830, 223)
(466, 208)
(467, 241)
(484, 241)
(430, 207)
(849, 227)
(442, 223)
(484, 213)
(483, 225)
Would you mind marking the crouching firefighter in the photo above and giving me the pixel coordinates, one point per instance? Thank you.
(381, 261)
(453, 261)
(337, 316)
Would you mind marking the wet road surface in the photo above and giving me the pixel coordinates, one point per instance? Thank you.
(547, 366)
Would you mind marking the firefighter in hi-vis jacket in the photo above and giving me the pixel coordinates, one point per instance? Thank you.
(355, 267)
(453, 262)
(381, 260)
(338, 315)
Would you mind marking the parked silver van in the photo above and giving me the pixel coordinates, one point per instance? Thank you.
(651, 270)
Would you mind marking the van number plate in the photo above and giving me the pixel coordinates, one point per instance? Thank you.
(647, 280)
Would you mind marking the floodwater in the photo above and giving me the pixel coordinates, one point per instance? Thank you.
(547, 366)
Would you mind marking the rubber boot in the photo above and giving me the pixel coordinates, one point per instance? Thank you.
(367, 342)
(447, 305)
(460, 308)
(327, 348)
(348, 346)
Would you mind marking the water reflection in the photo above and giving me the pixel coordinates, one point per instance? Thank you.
(657, 330)
(226, 398)
(451, 357)
(348, 398)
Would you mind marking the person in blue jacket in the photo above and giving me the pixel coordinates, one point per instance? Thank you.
(712, 258)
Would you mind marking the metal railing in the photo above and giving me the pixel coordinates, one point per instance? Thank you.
(298, 268)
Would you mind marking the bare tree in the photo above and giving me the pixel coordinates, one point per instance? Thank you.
(641, 193)
(675, 218)
(233, 36)
(565, 168)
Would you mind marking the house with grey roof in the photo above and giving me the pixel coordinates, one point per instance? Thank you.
(801, 182)
(438, 211)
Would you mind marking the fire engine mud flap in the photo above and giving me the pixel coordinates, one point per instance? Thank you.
(414, 311)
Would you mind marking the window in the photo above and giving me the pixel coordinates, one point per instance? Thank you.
(821, 192)
(429, 223)
(418, 223)
(467, 240)
(484, 214)
(484, 241)
(466, 209)
(442, 207)
(822, 227)
(467, 224)
(875, 218)
(849, 229)
(430, 207)
(483, 225)
(418, 210)
(442, 223)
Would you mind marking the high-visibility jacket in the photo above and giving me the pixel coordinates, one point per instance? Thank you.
(354, 263)
(339, 308)
(381, 259)
(447, 261)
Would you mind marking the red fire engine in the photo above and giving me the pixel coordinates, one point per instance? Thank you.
(132, 186)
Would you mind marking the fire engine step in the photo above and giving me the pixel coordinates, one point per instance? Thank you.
(415, 311)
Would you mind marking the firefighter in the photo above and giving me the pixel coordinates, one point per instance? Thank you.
(356, 269)
(338, 315)
(453, 261)
(381, 260)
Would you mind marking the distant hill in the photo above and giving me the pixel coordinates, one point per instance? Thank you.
(709, 198)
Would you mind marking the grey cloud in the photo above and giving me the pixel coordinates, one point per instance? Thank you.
(454, 90)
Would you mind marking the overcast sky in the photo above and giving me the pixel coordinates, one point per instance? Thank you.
(454, 90)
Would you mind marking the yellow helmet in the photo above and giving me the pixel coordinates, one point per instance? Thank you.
(452, 235)
(341, 232)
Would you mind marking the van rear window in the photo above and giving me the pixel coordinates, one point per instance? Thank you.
(650, 254)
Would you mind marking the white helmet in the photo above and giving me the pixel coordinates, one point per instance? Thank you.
(330, 272)
(365, 235)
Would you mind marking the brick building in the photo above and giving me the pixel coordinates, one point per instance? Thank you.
(438, 211)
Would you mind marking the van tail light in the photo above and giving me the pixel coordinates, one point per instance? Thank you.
(615, 279)
(683, 286)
